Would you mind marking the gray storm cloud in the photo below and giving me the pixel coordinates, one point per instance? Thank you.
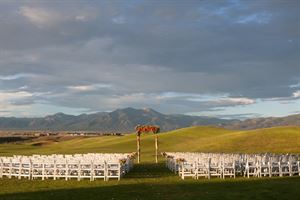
(109, 54)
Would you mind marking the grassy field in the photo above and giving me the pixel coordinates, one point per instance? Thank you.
(154, 181)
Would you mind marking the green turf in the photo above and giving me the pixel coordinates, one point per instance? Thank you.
(151, 181)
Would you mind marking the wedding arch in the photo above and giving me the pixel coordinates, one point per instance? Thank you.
(139, 129)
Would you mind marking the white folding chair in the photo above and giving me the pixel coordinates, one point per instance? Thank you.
(228, 168)
(113, 170)
(98, 169)
(25, 167)
(38, 170)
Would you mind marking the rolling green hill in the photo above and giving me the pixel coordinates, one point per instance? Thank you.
(151, 181)
(205, 139)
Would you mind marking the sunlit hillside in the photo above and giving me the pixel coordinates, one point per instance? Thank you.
(205, 139)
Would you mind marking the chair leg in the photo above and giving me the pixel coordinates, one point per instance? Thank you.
(298, 168)
(43, 173)
(79, 174)
(234, 173)
(67, 174)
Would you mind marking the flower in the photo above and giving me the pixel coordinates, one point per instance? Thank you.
(180, 160)
(122, 161)
(146, 129)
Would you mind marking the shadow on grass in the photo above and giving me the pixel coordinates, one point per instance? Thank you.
(153, 181)
(277, 188)
(149, 170)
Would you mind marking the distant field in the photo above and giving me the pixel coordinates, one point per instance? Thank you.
(150, 181)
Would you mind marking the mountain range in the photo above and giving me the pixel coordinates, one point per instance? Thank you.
(124, 121)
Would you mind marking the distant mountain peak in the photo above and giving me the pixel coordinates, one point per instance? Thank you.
(148, 109)
(55, 114)
(59, 114)
(127, 109)
(124, 120)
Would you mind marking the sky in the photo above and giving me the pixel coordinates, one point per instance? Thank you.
(219, 58)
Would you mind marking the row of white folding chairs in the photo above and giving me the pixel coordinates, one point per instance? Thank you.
(222, 165)
(93, 156)
(66, 166)
(274, 165)
(207, 168)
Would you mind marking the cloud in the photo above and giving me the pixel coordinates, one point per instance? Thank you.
(235, 101)
(20, 102)
(175, 57)
(40, 16)
(9, 101)
(296, 94)
(295, 85)
(239, 116)
(43, 17)
(220, 101)
(86, 14)
(260, 18)
(8, 96)
(19, 97)
(92, 87)
(119, 20)
(15, 76)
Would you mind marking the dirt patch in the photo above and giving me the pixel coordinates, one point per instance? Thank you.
(44, 143)
(14, 139)
(47, 140)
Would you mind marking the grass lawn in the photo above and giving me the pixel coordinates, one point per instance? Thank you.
(154, 181)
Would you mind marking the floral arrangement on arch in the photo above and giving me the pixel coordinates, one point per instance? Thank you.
(180, 160)
(146, 129)
(122, 161)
